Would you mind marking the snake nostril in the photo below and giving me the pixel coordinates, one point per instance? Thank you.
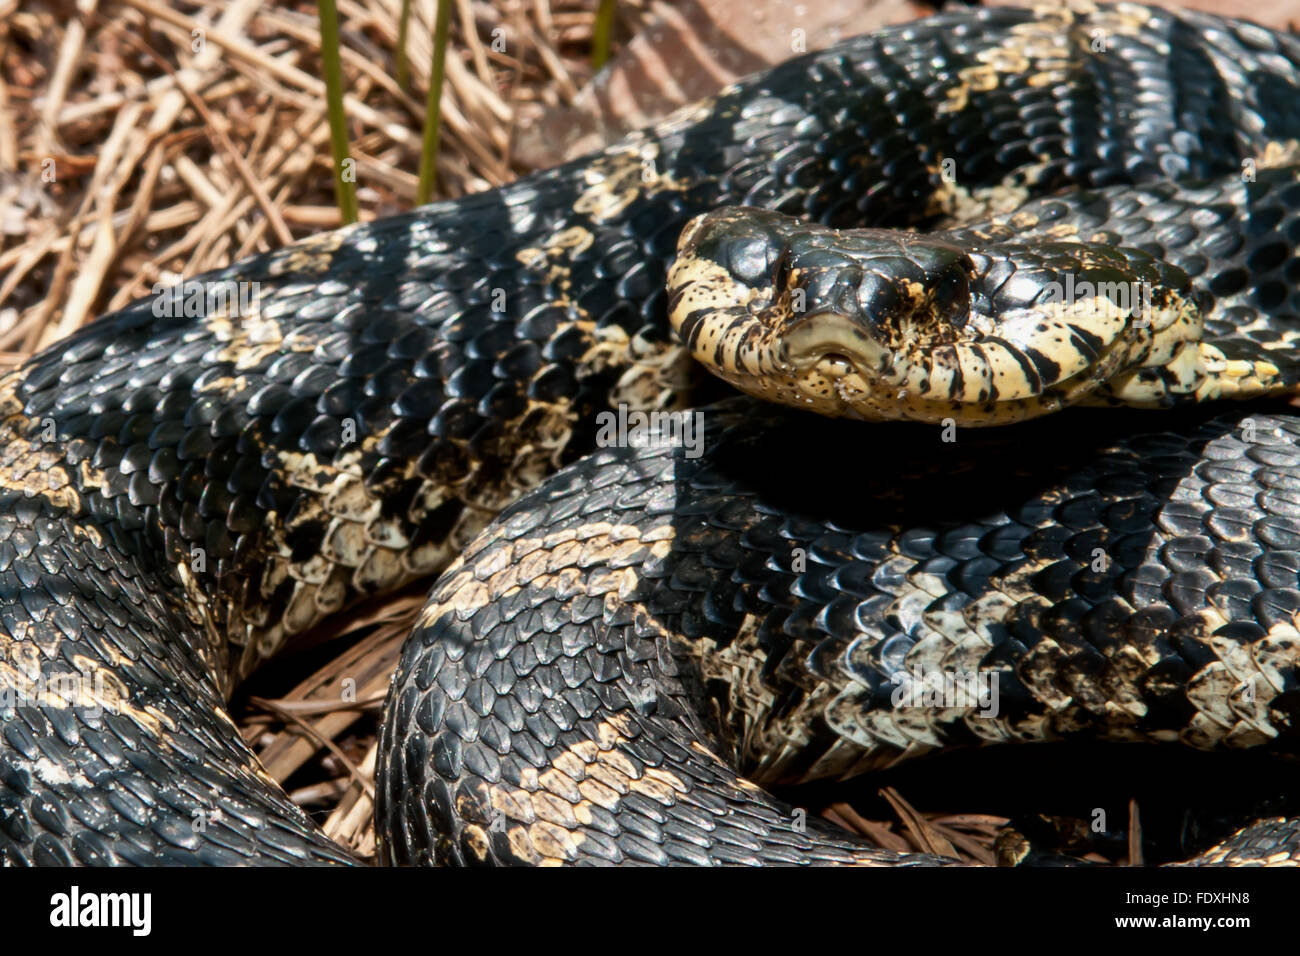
(782, 270)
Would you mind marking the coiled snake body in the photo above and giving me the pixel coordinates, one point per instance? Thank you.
(617, 664)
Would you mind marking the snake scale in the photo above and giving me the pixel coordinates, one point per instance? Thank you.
(631, 639)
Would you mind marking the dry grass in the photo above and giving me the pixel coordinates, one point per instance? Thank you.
(147, 140)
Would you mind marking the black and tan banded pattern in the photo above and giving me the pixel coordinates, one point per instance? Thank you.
(618, 661)
(181, 494)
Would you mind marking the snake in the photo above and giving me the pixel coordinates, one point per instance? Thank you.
(812, 430)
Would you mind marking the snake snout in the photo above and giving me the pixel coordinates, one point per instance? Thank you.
(874, 288)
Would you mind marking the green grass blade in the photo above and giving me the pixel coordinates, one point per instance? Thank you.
(345, 190)
(433, 105)
(600, 33)
(403, 23)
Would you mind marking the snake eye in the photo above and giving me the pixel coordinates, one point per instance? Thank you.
(950, 293)
(750, 259)
(878, 298)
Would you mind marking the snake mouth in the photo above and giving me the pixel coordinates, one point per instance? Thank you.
(834, 341)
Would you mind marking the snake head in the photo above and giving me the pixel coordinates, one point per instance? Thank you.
(816, 317)
(966, 326)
